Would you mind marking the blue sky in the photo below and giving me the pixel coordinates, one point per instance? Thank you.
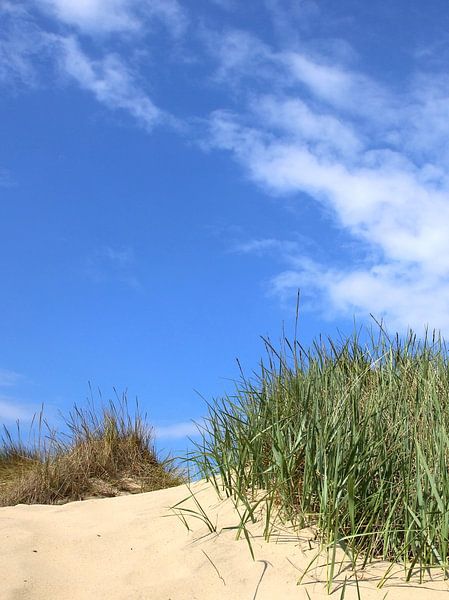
(172, 172)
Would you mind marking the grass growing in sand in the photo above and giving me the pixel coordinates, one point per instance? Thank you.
(349, 437)
(104, 452)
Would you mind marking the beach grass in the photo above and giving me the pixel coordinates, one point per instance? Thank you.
(102, 451)
(350, 437)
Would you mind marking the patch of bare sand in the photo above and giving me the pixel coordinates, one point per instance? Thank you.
(128, 548)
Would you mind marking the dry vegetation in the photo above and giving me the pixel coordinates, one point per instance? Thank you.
(106, 452)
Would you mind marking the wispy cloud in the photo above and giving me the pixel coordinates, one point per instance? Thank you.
(300, 121)
(31, 55)
(93, 15)
(240, 56)
(9, 378)
(287, 250)
(374, 158)
(176, 431)
(123, 257)
(110, 81)
(109, 264)
(11, 410)
(22, 46)
(113, 16)
(346, 90)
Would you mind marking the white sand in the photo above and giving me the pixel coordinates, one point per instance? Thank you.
(126, 548)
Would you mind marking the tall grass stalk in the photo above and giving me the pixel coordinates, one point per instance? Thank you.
(349, 437)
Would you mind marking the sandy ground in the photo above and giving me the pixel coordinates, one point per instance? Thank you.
(133, 547)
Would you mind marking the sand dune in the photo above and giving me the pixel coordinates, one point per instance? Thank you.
(132, 547)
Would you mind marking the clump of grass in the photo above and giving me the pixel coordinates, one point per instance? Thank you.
(103, 452)
(349, 437)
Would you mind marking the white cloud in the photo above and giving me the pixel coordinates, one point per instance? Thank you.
(328, 81)
(347, 91)
(295, 119)
(111, 82)
(103, 15)
(106, 16)
(29, 55)
(242, 58)
(403, 299)
(376, 160)
(176, 431)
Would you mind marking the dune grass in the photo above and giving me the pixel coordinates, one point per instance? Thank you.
(350, 437)
(103, 451)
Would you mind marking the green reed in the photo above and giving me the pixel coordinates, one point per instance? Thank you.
(350, 437)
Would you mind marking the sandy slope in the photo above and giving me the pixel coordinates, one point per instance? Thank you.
(126, 548)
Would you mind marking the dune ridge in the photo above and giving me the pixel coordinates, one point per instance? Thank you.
(134, 547)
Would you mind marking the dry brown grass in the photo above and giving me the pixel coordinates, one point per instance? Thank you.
(105, 452)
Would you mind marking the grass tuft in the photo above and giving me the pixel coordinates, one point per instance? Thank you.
(105, 452)
(350, 437)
